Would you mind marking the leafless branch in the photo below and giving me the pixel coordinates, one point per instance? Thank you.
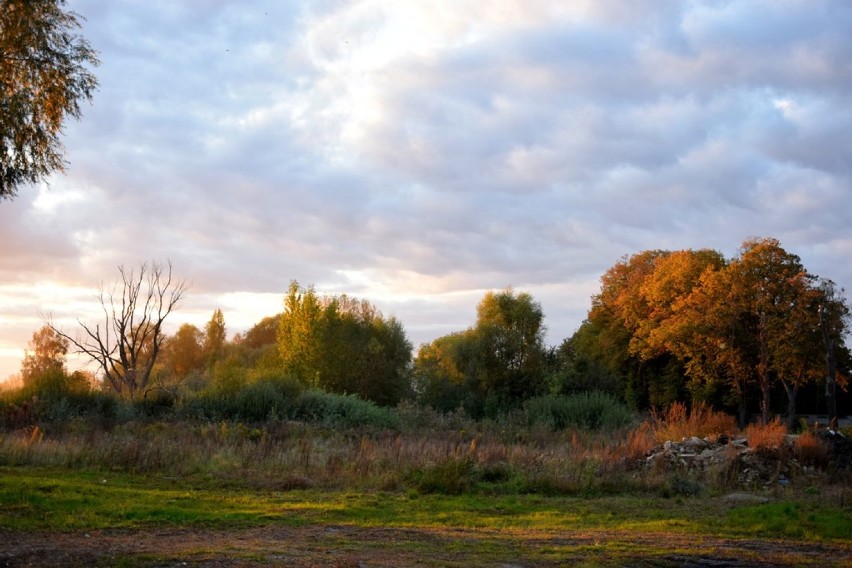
(126, 345)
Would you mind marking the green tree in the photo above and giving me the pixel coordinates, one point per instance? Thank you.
(490, 367)
(263, 333)
(301, 335)
(343, 345)
(510, 335)
(44, 77)
(438, 374)
(259, 345)
(580, 366)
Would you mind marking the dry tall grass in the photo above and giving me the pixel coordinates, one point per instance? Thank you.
(676, 423)
(771, 435)
(456, 456)
(809, 450)
(289, 455)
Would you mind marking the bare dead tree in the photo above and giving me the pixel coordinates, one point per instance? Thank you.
(125, 345)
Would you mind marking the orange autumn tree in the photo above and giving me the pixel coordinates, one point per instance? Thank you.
(47, 351)
(753, 323)
(769, 288)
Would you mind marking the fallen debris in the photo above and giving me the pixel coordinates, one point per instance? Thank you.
(735, 462)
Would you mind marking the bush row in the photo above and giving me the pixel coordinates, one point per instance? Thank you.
(273, 397)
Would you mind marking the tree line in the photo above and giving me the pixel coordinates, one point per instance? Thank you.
(665, 327)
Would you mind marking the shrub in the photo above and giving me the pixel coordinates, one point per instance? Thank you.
(156, 404)
(771, 435)
(286, 385)
(414, 417)
(267, 394)
(451, 477)
(590, 411)
(53, 396)
(341, 411)
(259, 401)
(638, 443)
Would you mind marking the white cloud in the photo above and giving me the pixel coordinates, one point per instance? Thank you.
(419, 153)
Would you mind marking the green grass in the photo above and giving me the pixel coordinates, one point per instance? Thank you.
(59, 499)
(64, 500)
(808, 521)
(203, 518)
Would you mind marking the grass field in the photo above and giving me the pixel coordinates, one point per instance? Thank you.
(62, 516)
(430, 490)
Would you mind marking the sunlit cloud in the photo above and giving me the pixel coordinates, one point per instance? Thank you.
(418, 154)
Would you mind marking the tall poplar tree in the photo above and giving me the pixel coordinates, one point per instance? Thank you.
(214, 337)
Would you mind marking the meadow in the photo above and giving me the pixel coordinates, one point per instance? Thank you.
(412, 487)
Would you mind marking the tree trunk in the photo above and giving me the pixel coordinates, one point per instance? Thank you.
(831, 369)
(765, 389)
(763, 373)
(792, 392)
(742, 408)
(830, 386)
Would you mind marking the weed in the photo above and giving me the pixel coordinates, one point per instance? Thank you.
(451, 477)
(771, 435)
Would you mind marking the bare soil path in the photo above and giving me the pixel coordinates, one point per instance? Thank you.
(348, 546)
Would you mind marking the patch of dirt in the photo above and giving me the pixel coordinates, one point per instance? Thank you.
(354, 547)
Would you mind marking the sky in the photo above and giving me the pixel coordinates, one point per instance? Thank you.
(420, 153)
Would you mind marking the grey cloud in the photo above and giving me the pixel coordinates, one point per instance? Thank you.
(253, 144)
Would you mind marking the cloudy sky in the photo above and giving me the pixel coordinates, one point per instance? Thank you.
(419, 153)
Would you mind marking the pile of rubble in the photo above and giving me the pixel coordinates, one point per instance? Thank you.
(732, 461)
(839, 448)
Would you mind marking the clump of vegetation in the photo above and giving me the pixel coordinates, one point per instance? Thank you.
(342, 411)
(810, 450)
(451, 477)
(677, 423)
(591, 410)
